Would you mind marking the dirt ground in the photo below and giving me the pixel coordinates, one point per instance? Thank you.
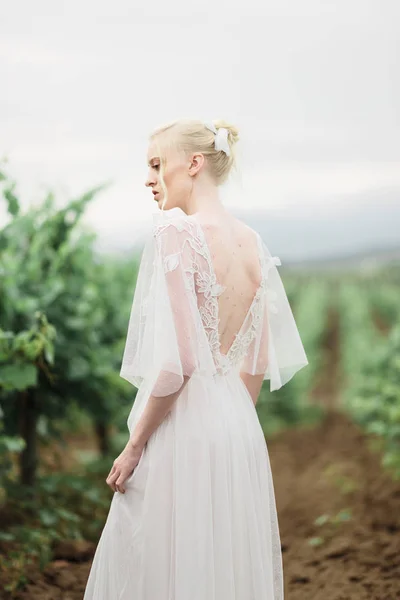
(339, 512)
(330, 472)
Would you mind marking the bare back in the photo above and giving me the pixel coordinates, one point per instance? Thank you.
(235, 258)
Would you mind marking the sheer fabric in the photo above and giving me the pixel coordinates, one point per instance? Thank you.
(198, 519)
(174, 323)
(165, 339)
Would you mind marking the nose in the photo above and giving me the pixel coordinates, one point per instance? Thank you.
(150, 181)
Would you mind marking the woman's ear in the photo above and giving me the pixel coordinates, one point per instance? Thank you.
(196, 164)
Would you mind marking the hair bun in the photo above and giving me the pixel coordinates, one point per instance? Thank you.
(233, 132)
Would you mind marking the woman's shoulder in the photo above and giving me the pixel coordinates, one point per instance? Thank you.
(171, 222)
(245, 231)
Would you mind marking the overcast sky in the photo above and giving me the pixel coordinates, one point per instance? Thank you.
(313, 87)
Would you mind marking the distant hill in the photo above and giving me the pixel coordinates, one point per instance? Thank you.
(359, 232)
(367, 259)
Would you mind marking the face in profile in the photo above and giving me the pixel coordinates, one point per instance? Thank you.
(176, 177)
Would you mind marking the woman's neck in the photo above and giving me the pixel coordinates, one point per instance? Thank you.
(205, 202)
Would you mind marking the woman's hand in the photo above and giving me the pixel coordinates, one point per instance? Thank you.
(123, 467)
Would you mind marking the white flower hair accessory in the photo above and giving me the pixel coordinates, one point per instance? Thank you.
(221, 137)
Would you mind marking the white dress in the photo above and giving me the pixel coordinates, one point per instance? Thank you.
(198, 519)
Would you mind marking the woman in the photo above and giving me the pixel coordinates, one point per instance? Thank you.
(193, 516)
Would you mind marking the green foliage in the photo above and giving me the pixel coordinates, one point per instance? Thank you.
(376, 402)
(328, 525)
(9, 445)
(62, 507)
(371, 364)
(64, 311)
(289, 405)
(385, 301)
(23, 354)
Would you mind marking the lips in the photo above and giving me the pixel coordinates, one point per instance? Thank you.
(154, 193)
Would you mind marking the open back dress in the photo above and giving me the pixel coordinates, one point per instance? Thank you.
(198, 519)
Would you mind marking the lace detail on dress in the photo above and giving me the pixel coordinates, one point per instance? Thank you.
(201, 278)
(171, 261)
(243, 339)
(208, 285)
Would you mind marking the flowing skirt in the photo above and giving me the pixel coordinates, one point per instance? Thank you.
(198, 519)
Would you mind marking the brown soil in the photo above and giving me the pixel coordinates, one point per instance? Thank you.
(381, 323)
(325, 390)
(322, 472)
(330, 473)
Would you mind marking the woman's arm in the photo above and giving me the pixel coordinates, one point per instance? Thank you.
(155, 411)
(253, 384)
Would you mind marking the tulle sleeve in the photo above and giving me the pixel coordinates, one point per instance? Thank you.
(165, 341)
(276, 351)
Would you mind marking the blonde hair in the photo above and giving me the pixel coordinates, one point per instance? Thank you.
(191, 135)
